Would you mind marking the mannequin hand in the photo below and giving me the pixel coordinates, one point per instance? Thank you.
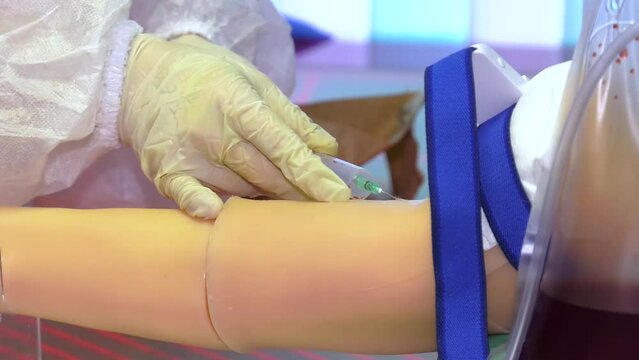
(203, 120)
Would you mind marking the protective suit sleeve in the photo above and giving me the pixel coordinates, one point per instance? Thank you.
(251, 28)
(57, 115)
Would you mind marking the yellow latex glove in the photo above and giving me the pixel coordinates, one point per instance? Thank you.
(203, 120)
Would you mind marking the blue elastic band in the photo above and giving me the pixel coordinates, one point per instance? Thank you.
(503, 198)
(453, 171)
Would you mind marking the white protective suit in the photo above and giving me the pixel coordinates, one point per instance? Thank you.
(62, 65)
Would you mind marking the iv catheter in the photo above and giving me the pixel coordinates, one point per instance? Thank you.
(358, 179)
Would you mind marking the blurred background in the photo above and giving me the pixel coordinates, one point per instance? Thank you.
(359, 48)
(407, 34)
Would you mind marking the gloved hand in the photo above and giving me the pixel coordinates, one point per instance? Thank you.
(203, 119)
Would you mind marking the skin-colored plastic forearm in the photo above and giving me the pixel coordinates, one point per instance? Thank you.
(352, 277)
(139, 272)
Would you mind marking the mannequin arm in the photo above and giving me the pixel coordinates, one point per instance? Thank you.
(350, 276)
(353, 277)
(138, 272)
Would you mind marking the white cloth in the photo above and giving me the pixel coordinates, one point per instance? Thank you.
(534, 125)
(533, 129)
(62, 65)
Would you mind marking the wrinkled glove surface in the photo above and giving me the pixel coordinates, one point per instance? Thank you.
(204, 121)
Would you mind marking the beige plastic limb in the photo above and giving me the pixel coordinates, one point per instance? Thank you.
(138, 272)
(353, 277)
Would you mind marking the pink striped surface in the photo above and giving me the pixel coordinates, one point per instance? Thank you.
(66, 342)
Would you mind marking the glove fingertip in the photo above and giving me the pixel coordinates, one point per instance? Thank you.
(331, 191)
(343, 194)
(316, 137)
(325, 144)
(204, 205)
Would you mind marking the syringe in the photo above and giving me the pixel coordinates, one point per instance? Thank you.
(358, 179)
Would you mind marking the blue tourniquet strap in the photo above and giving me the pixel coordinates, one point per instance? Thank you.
(503, 198)
(453, 168)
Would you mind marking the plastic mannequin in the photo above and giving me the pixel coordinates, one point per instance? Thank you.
(353, 277)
